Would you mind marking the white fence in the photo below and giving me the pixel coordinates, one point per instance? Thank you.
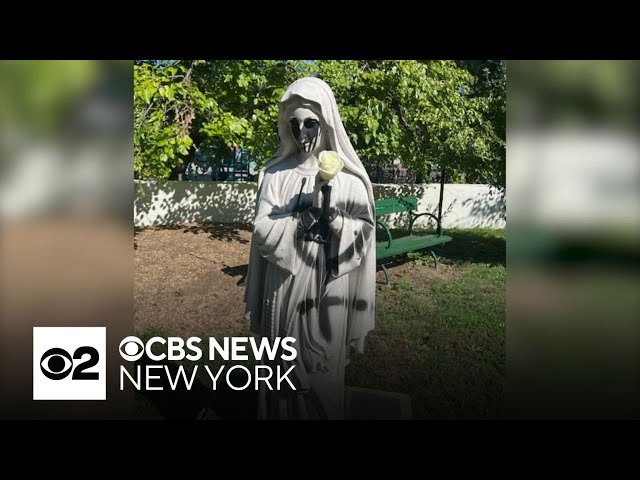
(172, 203)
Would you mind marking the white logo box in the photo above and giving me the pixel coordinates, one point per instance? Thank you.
(69, 339)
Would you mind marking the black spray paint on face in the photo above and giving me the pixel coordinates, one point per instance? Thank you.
(305, 126)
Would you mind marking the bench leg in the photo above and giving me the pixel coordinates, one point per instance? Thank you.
(435, 259)
(387, 275)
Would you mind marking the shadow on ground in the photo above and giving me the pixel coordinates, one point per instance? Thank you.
(229, 232)
(468, 245)
(474, 246)
(238, 270)
(190, 404)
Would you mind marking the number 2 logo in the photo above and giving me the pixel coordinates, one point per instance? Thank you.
(57, 363)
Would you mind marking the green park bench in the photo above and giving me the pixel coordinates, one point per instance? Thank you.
(413, 241)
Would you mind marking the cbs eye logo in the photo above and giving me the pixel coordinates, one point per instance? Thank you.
(131, 348)
(69, 363)
(57, 364)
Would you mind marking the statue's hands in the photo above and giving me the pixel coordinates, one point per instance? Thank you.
(310, 216)
(322, 212)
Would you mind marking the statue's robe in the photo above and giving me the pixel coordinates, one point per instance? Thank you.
(322, 295)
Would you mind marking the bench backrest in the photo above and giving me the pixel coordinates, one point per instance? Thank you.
(388, 206)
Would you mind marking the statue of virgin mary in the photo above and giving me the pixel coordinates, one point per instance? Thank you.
(312, 262)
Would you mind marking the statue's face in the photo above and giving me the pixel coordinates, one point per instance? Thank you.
(305, 126)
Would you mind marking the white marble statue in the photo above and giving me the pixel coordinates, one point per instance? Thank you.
(312, 263)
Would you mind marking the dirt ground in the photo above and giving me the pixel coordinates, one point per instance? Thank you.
(189, 280)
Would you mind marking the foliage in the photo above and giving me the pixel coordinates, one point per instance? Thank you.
(491, 83)
(247, 94)
(427, 113)
(166, 101)
(180, 105)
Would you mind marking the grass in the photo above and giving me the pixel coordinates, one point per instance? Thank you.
(441, 339)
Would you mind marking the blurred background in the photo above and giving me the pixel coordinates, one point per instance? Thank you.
(66, 190)
(573, 225)
(66, 193)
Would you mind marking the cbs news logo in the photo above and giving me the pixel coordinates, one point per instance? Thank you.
(69, 363)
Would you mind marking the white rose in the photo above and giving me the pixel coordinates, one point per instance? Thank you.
(330, 164)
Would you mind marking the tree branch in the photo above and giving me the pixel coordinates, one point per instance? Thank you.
(396, 106)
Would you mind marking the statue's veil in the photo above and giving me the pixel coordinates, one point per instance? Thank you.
(318, 92)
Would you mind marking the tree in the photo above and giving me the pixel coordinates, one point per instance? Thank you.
(428, 113)
(165, 104)
(184, 104)
(247, 94)
(491, 82)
